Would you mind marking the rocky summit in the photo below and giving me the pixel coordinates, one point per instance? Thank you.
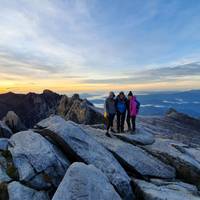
(67, 156)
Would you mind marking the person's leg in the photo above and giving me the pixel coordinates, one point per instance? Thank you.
(123, 116)
(118, 121)
(133, 123)
(128, 121)
(111, 122)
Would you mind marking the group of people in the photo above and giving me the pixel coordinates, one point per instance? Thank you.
(125, 108)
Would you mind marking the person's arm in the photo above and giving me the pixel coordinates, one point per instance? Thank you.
(127, 104)
(116, 102)
(138, 106)
(107, 106)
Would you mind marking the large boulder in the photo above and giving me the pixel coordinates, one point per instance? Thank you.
(133, 158)
(39, 163)
(184, 158)
(17, 191)
(161, 190)
(5, 131)
(13, 122)
(79, 111)
(85, 182)
(90, 151)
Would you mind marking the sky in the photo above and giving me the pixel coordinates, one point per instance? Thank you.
(99, 45)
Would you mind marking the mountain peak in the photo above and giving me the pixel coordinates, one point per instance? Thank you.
(47, 91)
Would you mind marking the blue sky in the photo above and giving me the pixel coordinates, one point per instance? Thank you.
(89, 44)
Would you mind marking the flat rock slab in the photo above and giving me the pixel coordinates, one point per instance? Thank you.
(32, 155)
(140, 137)
(176, 185)
(183, 158)
(133, 157)
(17, 191)
(165, 191)
(85, 182)
(91, 152)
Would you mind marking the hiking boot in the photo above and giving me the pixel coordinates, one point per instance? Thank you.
(107, 134)
(133, 131)
(112, 130)
(129, 129)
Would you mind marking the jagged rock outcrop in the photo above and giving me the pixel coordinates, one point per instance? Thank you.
(185, 159)
(13, 122)
(174, 125)
(31, 107)
(172, 114)
(17, 191)
(85, 182)
(79, 111)
(162, 190)
(133, 158)
(39, 163)
(5, 131)
(90, 151)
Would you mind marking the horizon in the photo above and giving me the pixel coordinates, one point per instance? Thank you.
(90, 45)
(106, 92)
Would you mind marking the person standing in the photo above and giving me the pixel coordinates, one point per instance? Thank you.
(133, 106)
(110, 112)
(121, 106)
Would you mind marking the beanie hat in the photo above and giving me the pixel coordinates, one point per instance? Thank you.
(130, 94)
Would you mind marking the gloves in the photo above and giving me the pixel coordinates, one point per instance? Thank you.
(105, 114)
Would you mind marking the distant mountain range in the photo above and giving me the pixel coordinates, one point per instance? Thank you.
(32, 107)
(157, 103)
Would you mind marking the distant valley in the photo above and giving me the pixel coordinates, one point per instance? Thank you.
(157, 103)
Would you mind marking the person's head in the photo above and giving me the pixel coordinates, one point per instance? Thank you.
(111, 95)
(121, 95)
(130, 95)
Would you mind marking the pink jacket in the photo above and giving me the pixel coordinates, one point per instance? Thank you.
(133, 107)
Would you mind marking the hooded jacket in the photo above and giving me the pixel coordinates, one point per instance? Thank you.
(133, 107)
(109, 106)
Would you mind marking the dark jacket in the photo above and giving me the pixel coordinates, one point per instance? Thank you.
(109, 106)
(121, 104)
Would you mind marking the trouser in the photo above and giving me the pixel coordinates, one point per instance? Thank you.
(110, 120)
(131, 120)
(120, 121)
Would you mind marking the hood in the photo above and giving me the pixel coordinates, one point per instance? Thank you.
(133, 98)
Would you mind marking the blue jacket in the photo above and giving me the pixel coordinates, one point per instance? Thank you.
(121, 104)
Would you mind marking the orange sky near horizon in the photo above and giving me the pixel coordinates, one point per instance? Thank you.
(62, 86)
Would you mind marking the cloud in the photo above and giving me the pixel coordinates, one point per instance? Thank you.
(186, 71)
(97, 42)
